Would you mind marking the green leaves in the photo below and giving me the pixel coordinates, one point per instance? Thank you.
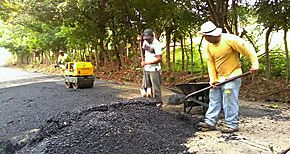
(274, 12)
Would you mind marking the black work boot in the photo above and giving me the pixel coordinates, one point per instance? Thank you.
(205, 126)
(226, 129)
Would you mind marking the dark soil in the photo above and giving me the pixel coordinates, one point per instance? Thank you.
(259, 88)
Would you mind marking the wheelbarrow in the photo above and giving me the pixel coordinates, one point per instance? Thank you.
(193, 94)
(199, 99)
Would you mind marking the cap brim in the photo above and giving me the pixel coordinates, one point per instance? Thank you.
(216, 32)
(147, 37)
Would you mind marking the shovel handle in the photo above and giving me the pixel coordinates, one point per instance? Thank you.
(233, 78)
(140, 48)
(218, 84)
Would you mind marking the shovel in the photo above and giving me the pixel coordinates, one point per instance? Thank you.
(182, 98)
(145, 92)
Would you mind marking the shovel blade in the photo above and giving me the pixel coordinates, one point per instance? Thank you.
(176, 99)
(143, 92)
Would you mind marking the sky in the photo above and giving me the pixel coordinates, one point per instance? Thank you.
(4, 56)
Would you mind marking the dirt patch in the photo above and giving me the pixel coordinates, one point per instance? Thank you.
(261, 130)
(257, 88)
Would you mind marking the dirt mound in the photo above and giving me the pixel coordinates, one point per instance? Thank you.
(258, 88)
(129, 126)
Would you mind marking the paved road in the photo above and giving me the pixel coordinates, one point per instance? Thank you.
(28, 99)
(9, 74)
(13, 77)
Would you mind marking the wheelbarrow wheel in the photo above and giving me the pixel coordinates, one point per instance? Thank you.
(204, 109)
(68, 84)
(91, 85)
(75, 85)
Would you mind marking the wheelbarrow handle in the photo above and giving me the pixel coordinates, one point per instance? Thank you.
(218, 84)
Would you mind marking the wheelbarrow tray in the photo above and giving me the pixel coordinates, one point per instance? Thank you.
(188, 88)
(198, 90)
(199, 99)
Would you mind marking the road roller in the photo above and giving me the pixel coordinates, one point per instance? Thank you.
(79, 75)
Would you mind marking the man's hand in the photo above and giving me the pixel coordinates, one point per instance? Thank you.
(139, 38)
(213, 84)
(143, 63)
(157, 59)
(149, 48)
(253, 70)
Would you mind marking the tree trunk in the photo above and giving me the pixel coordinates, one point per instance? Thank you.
(191, 53)
(46, 58)
(244, 33)
(287, 55)
(28, 61)
(84, 58)
(187, 57)
(173, 52)
(42, 57)
(91, 54)
(101, 53)
(127, 52)
(235, 18)
(168, 38)
(200, 57)
(218, 13)
(96, 54)
(102, 5)
(118, 58)
(182, 53)
(267, 57)
(21, 59)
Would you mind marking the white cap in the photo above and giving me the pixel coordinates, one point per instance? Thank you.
(209, 28)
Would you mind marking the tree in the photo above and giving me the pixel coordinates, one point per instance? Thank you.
(273, 15)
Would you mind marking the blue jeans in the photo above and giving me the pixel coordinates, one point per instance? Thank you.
(227, 97)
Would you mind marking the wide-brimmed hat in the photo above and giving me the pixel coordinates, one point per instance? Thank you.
(208, 28)
(148, 34)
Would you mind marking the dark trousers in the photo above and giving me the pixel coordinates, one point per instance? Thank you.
(153, 80)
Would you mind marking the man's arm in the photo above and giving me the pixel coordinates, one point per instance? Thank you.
(211, 68)
(249, 52)
(158, 54)
(157, 59)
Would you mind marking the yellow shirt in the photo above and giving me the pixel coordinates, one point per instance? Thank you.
(61, 59)
(224, 57)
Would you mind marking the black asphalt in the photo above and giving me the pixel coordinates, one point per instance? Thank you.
(45, 117)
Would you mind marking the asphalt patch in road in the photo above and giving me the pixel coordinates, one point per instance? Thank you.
(274, 114)
(128, 126)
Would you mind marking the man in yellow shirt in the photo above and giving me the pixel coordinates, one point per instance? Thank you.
(62, 59)
(223, 51)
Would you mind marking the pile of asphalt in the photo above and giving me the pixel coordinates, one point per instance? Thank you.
(128, 126)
